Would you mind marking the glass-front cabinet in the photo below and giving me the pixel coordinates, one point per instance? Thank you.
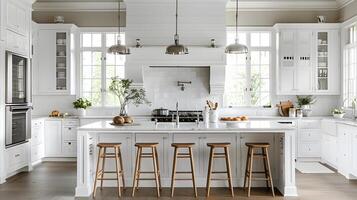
(61, 60)
(322, 60)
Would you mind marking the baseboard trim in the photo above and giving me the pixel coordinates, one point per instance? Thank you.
(55, 159)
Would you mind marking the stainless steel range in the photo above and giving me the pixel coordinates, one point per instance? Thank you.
(184, 116)
(18, 99)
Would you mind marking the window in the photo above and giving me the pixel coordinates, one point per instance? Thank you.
(349, 67)
(247, 76)
(98, 67)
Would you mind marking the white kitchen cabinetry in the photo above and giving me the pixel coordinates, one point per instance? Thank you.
(354, 154)
(308, 59)
(16, 158)
(56, 66)
(2, 20)
(344, 148)
(329, 146)
(37, 140)
(309, 139)
(60, 138)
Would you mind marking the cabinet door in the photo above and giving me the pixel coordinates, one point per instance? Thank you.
(164, 151)
(219, 164)
(127, 150)
(37, 132)
(354, 154)
(2, 20)
(53, 140)
(286, 61)
(70, 133)
(303, 67)
(343, 149)
(11, 15)
(22, 21)
(258, 163)
(47, 62)
(184, 164)
(334, 62)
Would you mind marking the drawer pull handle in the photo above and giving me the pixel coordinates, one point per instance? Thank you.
(17, 155)
(69, 143)
(69, 128)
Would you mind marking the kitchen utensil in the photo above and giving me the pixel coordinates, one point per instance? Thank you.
(160, 112)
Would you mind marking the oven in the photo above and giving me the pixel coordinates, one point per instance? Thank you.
(18, 79)
(18, 125)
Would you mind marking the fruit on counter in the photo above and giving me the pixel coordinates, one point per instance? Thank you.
(118, 120)
(55, 113)
(128, 120)
(240, 118)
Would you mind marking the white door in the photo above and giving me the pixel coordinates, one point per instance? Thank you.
(287, 61)
(334, 62)
(127, 150)
(303, 65)
(53, 140)
(164, 151)
(354, 154)
(47, 61)
(343, 149)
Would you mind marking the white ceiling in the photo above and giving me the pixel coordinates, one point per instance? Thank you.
(254, 5)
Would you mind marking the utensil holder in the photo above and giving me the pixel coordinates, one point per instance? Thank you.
(213, 116)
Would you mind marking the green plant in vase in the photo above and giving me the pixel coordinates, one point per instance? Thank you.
(126, 95)
(81, 105)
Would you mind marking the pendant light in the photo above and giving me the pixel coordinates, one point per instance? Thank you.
(236, 48)
(176, 49)
(119, 48)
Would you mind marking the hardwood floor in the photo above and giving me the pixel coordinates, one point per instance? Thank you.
(56, 181)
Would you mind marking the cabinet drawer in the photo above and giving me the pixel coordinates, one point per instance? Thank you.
(307, 149)
(69, 133)
(16, 158)
(71, 123)
(329, 127)
(69, 148)
(309, 124)
(309, 136)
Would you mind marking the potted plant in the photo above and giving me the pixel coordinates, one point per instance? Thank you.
(338, 113)
(304, 103)
(81, 105)
(121, 88)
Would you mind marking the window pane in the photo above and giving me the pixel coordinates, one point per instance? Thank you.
(255, 39)
(86, 58)
(265, 39)
(87, 40)
(97, 40)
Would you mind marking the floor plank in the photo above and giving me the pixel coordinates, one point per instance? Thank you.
(56, 181)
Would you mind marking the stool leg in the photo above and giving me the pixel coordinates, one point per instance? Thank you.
(121, 168)
(155, 171)
(265, 167)
(117, 169)
(136, 170)
(250, 170)
(193, 171)
(139, 169)
(246, 168)
(96, 174)
(229, 173)
(173, 172)
(158, 166)
(103, 166)
(209, 171)
(270, 177)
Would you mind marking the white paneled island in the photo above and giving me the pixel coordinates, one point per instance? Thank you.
(281, 136)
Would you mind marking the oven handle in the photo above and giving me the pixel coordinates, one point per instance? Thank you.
(14, 108)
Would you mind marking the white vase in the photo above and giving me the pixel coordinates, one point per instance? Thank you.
(213, 116)
(81, 112)
(339, 116)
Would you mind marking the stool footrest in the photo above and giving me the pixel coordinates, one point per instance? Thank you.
(183, 179)
(146, 172)
(219, 179)
(220, 172)
(108, 179)
(183, 172)
(146, 179)
(258, 172)
(219, 156)
(183, 157)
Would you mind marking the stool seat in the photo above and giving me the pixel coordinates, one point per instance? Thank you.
(257, 145)
(225, 144)
(109, 145)
(182, 145)
(146, 144)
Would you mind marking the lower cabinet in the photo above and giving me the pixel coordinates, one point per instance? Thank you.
(354, 154)
(329, 149)
(343, 141)
(309, 143)
(16, 158)
(60, 138)
(37, 140)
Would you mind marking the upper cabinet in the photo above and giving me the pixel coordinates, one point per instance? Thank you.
(15, 25)
(308, 59)
(55, 67)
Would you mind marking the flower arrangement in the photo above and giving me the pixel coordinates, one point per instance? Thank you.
(305, 100)
(82, 103)
(338, 112)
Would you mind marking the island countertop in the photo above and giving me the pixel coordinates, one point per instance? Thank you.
(248, 126)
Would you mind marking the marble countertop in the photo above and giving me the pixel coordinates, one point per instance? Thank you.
(249, 126)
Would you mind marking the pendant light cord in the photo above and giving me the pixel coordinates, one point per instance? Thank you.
(118, 20)
(176, 15)
(236, 21)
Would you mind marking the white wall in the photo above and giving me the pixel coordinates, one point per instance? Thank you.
(43, 105)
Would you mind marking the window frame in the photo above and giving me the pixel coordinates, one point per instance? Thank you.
(271, 48)
(101, 49)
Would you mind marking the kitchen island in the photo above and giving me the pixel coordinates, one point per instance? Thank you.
(281, 136)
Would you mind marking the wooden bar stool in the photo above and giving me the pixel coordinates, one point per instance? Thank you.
(249, 165)
(154, 155)
(189, 155)
(102, 155)
(224, 155)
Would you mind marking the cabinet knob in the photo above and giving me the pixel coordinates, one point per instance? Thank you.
(17, 155)
(69, 128)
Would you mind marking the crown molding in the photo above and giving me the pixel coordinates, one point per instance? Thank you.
(244, 5)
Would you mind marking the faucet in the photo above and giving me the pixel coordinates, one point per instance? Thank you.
(177, 114)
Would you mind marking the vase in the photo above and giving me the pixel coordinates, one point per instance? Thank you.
(213, 116)
(81, 112)
(339, 116)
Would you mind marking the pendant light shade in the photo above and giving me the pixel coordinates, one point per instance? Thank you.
(177, 48)
(118, 48)
(236, 48)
